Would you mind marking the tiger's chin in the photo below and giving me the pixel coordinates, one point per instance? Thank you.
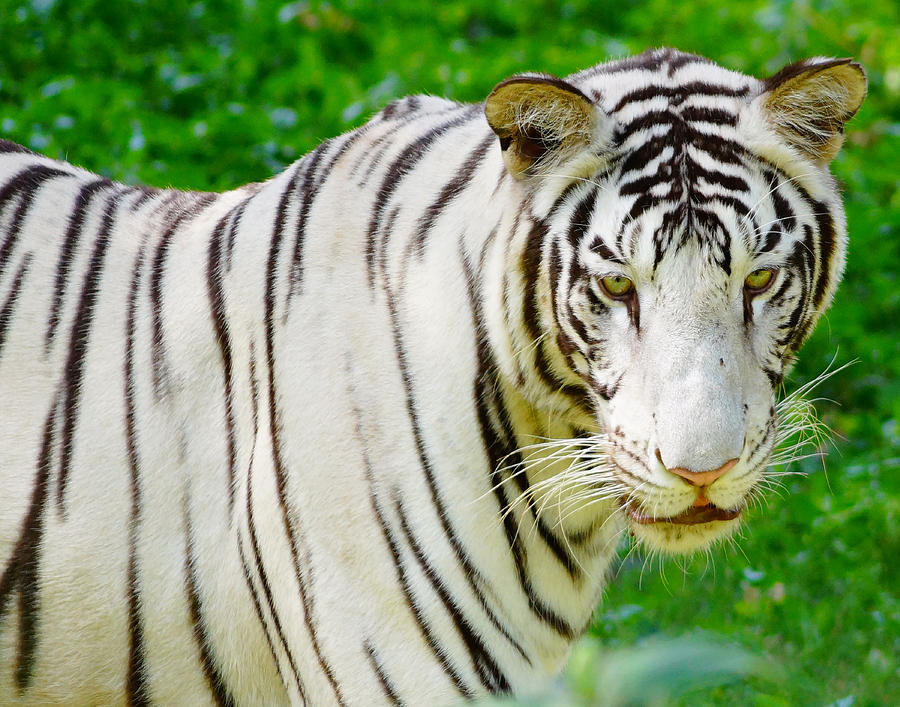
(687, 532)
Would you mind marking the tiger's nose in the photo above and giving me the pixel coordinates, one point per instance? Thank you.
(701, 478)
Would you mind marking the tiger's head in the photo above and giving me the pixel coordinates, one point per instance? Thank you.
(688, 235)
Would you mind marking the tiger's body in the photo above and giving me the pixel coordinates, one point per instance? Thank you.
(260, 447)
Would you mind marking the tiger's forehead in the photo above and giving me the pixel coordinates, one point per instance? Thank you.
(714, 233)
(682, 174)
(664, 78)
(688, 169)
(720, 215)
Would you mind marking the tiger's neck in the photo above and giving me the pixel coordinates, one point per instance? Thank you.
(423, 405)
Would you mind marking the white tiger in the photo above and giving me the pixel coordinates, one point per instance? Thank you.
(371, 431)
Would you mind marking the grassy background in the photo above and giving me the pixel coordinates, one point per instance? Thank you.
(209, 95)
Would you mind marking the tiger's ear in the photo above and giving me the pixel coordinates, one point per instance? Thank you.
(809, 102)
(541, 121)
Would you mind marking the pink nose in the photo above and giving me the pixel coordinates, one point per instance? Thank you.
(703, 478)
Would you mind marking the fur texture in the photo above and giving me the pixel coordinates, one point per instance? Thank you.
(371, 431)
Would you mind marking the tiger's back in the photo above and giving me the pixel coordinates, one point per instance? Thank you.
(278, 444)
(140, 351)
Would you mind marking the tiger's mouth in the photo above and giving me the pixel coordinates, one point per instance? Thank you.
(691, 516)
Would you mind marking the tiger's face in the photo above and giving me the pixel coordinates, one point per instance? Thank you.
(682, 336)
(685, 265)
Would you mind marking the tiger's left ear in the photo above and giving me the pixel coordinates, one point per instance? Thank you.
(541, 121)
(809, 102)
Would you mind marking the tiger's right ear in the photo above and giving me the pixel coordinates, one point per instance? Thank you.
(541, 121)
(808, 103)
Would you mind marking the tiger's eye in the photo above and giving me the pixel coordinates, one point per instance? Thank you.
(759, 280)
(617, 286)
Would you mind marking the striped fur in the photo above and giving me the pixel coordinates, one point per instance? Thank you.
(272, 445)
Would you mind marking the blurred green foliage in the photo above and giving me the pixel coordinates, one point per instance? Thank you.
(210, 95)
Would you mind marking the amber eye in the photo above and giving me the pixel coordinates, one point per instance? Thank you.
(759, 280)
(617, 286)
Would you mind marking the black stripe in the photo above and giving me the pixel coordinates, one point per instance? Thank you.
(601, 248)
(486, 376)
(506, 290)
(26, 183)
(662, 237)
(264, 582)
(677, 60)
(251, 525)
(450, 191)
(652, 60)
(223, 339)
(643, 184)
(9, 305)
(719, 237)
(21, 572)
(8, 146)
(683, 132)
(497, 451)
(570, 346)
(344, 149)
(531, 260)
(485, 665)
(773, 238)
(775, 378)
(719, 148)
(786, 282)
(137, 691)
(306, 196)
(472, 573)
(728, 181)
(67, 252)
(704, 114)
(400, 168)
(78, 345)
(156, 276)
(325, 172)
(390, 692)
(678, 94)
(375, 150)
(499, 445)
(237, 215)
(147, 193)
(290, 524)
(580, 222)
(554, 272)
(748, 307)
(214, 678)
(578, 227)
(254, 400)
(196, 201)
(399, 567)
(414, 608)
(649, 150)
(827, 246)
(400, 107)
(258, 608)
(651, 119)
(170, 199)
(564, 195)
(530, 267)
(554, 544)
(783, 211)
(801, 261)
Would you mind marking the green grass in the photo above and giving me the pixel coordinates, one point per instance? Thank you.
(212, 95)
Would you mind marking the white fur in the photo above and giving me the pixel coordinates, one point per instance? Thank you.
(351, 455)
